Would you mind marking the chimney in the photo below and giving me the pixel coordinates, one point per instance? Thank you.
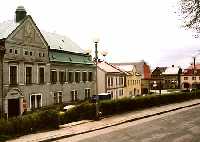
(20, 14)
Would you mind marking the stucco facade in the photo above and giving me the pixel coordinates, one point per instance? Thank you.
(111, 80)
(35, 75)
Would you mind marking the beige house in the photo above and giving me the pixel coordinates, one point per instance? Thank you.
(144, 69)
(111, 80)
(133, 80)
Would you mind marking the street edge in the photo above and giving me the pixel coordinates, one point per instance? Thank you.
(119, 123)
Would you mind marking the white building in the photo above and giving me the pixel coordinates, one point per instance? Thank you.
(110, 80)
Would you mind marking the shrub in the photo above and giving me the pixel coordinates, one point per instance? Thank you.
(82, 111)
(17, 126)
(50, 119)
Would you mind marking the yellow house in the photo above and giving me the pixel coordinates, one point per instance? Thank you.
(133, 80)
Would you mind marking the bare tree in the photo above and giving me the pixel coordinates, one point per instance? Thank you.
(190, 10)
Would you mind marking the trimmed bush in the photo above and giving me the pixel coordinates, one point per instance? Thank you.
(80, 112)
(44, 119)
(30, 123)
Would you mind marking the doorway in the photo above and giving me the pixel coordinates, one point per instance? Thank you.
(13, 107)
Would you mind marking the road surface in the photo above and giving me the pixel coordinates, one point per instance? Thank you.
(179, 126)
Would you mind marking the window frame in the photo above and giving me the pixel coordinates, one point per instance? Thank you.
(39, 75)
(53, 77)
(31, 75)
(13, 65)
(35, 101)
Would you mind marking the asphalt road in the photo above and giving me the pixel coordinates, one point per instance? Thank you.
(179, 126)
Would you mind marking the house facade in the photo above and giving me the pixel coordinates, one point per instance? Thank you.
(157, 79)
(166, 78)
(172, 77)
(190, 77)
(144, 70)
(133, 80)
(111, 80)
(40, 68)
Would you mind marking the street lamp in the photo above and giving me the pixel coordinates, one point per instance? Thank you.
(96, 41)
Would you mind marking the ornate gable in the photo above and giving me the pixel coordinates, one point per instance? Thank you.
(27, 33)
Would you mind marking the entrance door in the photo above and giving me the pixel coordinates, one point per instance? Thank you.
(13, 107)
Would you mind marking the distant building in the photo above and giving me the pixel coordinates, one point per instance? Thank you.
(144, 69)
(190, 77)
(40, 68)
(133, 80)
(111, 80)
(166, 78)
(157, 79)
(172, 77)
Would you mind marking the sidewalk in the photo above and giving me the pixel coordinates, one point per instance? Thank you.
(86, 126)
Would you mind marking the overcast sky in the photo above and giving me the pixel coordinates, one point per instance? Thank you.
(129, 30)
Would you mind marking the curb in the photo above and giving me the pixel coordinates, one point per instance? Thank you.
(125, 121)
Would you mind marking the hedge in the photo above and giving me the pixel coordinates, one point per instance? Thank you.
(51, 119)
(27, 124)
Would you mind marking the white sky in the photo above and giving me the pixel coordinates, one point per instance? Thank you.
(129, 30)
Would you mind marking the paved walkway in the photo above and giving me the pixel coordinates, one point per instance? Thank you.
(88, 126)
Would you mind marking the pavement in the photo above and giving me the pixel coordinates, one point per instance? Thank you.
(86, 126)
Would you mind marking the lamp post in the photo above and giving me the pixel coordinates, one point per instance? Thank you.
(194, 72)
(96, 41)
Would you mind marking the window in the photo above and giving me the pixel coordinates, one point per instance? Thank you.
(36, 101)
(10, 50)
(16, 52)
(70, 77)
(90, 76)
(62, 77)
(74, 95)
(53, 76)
(57, 97)
(87, 94)
(28, 75)
(84, 76)
(26, 52)
(77, 76)
(110, 81)
(194, 78)
(43, 55)
(185, 78)
(41, 75)
(31, 53)
(33, 102)
(111, 94)
(121, 81)
(121, 92)
(39, 54)
(13, 75)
